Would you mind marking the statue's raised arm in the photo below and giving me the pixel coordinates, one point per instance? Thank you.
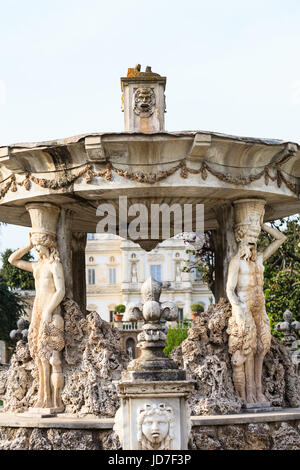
(279, 240)
(16, 258)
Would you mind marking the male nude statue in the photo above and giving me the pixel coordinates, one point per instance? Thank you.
(249, 327)
(46, 332)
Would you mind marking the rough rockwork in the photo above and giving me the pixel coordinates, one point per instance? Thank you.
(249, 436)
(92, 359)
(252, 436)
(57, 439)
(205, 356)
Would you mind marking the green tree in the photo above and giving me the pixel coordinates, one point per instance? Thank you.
(282, 272)
(12, 307)
(175, 337)
(14, 277)
(120, 309)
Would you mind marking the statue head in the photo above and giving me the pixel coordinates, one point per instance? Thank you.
(155, 427)
(249, 216)
(144, 102)
(44, 219)
(46, 246)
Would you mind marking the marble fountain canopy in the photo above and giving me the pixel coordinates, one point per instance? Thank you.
(81, 172)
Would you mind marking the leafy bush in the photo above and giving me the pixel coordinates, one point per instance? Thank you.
(12, 307)
(14, 277)
(175, 337)
(119, 309)
(197, 307)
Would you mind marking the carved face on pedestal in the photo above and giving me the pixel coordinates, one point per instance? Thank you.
(156, 427)
(144, 102)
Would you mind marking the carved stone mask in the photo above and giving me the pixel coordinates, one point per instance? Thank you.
(155, 427)
(144, 102)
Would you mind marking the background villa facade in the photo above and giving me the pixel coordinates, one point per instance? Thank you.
(117, 268)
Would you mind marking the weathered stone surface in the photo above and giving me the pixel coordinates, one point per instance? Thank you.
(286, 437)
(279, 435)
(92, 358)
(253, 436)
(56, 439)
(205, 438)
(257, 436)
(110, 441)
(205, 356)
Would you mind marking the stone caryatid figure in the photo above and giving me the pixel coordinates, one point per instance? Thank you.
(155, 427)
(249, 327)
(46, 331)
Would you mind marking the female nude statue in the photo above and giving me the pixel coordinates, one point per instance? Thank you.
(46, 332)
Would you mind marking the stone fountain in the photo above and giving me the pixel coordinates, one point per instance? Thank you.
(56, 187)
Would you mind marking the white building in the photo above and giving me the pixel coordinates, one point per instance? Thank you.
(117, 268)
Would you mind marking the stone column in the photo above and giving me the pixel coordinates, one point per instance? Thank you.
(64, 241)
(79, 240)
(225, 247)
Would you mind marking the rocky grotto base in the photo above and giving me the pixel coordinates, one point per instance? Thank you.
(93, 361)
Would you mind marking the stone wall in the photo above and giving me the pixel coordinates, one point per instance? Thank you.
(258, 433)
(249, 436)
(57, 439)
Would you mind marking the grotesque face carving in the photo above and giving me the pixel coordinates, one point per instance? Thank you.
(144, 102)
(155, 427)
(247, 236)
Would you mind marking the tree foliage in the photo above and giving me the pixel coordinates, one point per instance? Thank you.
(119, 309)
(282, 272)
(14, 277)
(175, 337)
(12, 307)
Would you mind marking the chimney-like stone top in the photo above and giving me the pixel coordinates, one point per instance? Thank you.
(148, 75)
(143, 100)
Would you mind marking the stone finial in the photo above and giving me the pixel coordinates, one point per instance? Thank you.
(21, 333)
(289, 328)
(143, 100)
(152, 339)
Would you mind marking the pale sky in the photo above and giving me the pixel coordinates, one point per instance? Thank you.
(232, 66)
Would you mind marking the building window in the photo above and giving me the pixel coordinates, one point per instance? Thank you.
(112, 276)
(112, 259)
(91, 259)
(91, 236)
(111, 316)
(91, 277)
(180, 314)
(155, 271)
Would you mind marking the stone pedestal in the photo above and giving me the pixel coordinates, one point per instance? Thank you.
(153, 415)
